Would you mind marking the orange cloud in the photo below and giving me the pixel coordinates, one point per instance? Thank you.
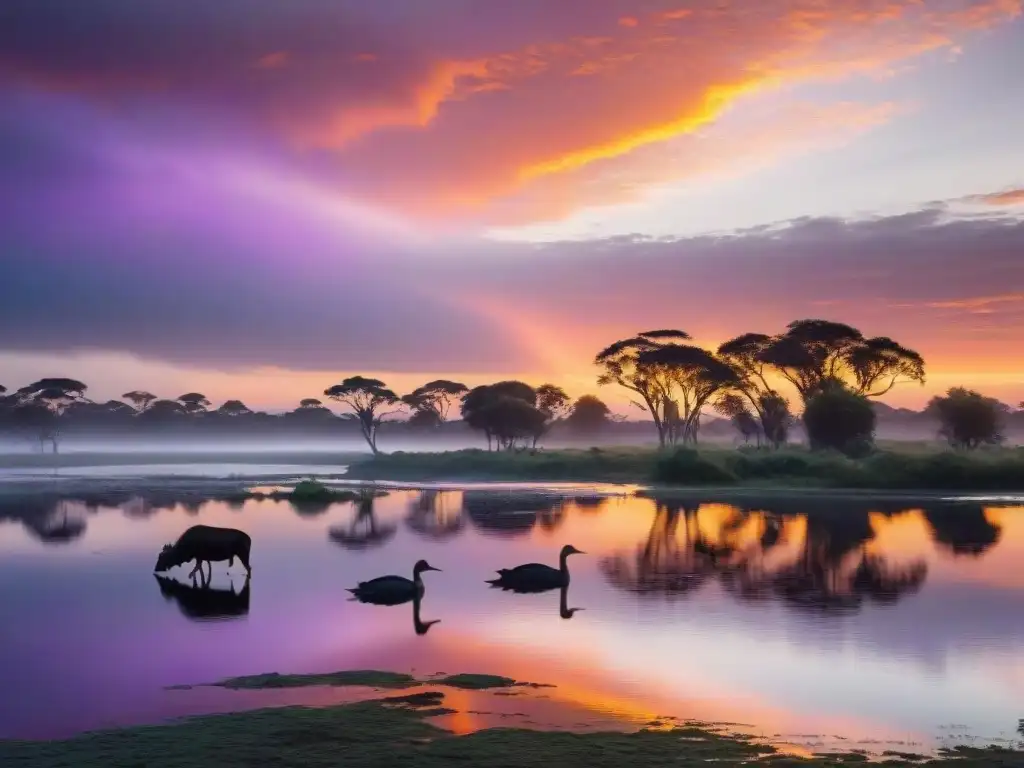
(677, 14)
(1007, 197)
(488, 129)
(978, 303)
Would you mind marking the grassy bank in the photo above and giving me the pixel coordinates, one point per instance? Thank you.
(891, 470)
(394, 730)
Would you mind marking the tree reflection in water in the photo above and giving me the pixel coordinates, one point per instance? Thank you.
(962, 529)
(829, 567)
(513, 514)
(436, 515)
(363, 531)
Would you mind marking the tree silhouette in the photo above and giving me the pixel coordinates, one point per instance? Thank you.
(621, 364)
(735, 408)
(366, 398)
(435, 398)
(745, 354)
(554, 403)
(968, 419)
(505, 412)
(194, 403)
(163, 411)
(841, 420)
(588, 416)
(41, 404)
(693, 377)
(813, 352)
(139, 399)
(234, 408)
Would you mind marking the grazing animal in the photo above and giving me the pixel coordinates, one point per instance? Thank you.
(536, 577)
(205, 543)
(393, 590)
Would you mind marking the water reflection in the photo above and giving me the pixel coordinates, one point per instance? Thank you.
(513, 514)
(364, 530)
(903, 614)
(828, 568)
(389, 599)
(202, 602)
(435, 515)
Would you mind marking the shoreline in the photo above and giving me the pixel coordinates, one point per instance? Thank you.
(406, 722)
(241, 488)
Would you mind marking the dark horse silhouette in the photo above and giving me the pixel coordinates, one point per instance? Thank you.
(203, 603)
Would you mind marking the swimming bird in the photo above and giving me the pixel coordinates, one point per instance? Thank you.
(536, 577)
(393, 590)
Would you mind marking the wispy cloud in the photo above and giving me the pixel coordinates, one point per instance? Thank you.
(1006, 197)
(448, 116)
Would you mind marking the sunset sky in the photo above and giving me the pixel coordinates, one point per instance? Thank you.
(254, 198)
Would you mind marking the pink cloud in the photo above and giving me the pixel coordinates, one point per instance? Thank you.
(452, 119)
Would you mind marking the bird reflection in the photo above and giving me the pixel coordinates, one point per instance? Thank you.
(564, 611)
(201, 602)
(419, 626)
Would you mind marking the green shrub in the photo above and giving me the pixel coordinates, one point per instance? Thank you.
(685, 466)
(842, 420)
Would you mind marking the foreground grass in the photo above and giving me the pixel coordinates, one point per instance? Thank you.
(996, 470)
(369, 678)
(393, 731)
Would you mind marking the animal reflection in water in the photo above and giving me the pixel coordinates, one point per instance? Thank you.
(205, 543)
(203, 603)
(398, 590)
(537, 577)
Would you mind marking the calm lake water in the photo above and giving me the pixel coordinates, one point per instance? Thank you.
(812, 620)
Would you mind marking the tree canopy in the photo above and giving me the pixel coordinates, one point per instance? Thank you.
(435, 398)
(367, 399)
(968, 419)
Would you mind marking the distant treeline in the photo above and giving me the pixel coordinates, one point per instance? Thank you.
(832, 371)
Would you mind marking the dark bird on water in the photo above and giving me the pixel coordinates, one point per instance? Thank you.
(536, 577)
(393, 590)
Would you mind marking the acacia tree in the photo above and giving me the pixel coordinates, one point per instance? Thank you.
(40, 405)
(555, 404)
(434, 400)
(754, 395)
(813, 353)
(194, 403)
(140, 399)
(735, 408)
(693, 376)
(505, 412)
(367, 399)
(621, 364)
(234, 408)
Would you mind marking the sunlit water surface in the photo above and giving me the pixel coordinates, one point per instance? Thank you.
(810, 621)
